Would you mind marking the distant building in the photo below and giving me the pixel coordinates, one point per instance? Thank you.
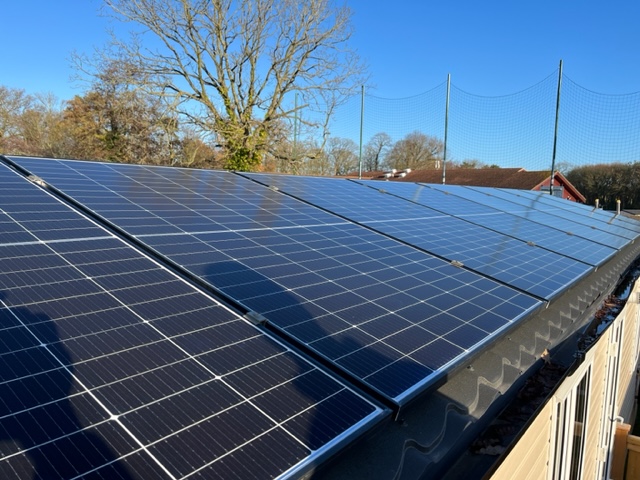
(517, 178)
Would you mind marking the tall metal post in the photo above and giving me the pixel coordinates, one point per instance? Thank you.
(295, 125)
(293, 158)
(446, 132)
(361, 128)
(555, 133)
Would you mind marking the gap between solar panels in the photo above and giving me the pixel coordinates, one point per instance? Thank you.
(584, 250)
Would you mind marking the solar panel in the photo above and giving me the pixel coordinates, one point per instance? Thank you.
(111, 366)
(388, 315)
(512, 261)
(582, 214)
(505, 222)
(366, 303)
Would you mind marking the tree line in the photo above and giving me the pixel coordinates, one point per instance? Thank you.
(608, 183)
(110, 122)
(114, 121)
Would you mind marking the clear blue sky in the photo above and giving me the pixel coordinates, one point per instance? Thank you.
(489, 47)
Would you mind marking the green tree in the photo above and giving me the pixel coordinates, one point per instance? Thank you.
(608, 183)
(472, 163)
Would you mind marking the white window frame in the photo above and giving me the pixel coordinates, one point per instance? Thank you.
(565, 426)
(610, 406)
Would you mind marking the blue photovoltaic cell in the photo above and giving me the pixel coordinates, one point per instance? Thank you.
(385, 313)
(502, 257)
(556, 240)
(583, 225)
(113, 367)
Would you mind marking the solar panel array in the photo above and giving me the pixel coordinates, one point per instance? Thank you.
(512, 260)
(559, 219)
(394, 318)
(584, 215)
(113, 367)
(504, 217)
(391, 291)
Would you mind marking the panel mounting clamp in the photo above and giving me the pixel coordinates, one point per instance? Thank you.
(255, 318)
(37, 180)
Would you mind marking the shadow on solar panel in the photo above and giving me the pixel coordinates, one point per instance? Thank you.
(43, 429)
(392, 354)
(113, 367)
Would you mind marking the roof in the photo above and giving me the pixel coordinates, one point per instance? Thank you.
(192, 320)
(516, 178)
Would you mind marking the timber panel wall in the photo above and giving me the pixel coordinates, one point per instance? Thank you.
(629, 354)
(612, 364)
(529, 458)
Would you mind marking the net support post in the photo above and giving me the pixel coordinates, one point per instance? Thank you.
(555, 132)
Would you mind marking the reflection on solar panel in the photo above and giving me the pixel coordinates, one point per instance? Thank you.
(513, 261)
(608, 217)
(113, 367)
(395, 318)
(164, 200)
(503, 221)
(528, 209)
(581, 215)
(387, 314)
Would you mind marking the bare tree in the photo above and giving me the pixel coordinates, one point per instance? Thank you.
(341, 153)
(31, 124)
(416, 150)
(13, 103)
(232, 66)
(41, 126)
(196, 152)
(375, 151)
(318, 163)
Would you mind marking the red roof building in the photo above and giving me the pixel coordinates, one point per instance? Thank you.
(517, 178)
